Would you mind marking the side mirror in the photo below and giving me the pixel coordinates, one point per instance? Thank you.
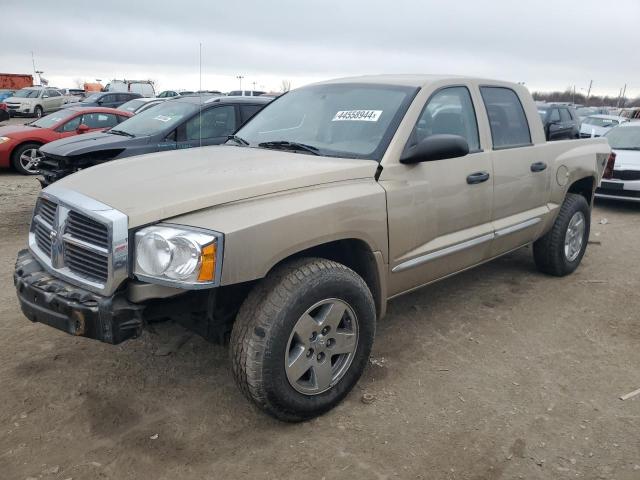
(100, 102)
(436, 147)
(82, 128)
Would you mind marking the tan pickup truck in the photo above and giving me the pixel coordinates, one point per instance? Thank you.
(289, 240)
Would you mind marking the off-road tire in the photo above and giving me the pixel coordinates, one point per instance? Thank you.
(265, 322)
(548, 251)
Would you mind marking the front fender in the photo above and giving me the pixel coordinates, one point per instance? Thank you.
(262, 231)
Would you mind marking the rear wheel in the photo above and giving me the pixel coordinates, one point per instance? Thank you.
(302, 338)
(26, 158)
(560, 251)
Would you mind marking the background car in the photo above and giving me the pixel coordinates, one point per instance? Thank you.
(105, 99)
(168, 94)
(183, 122)
(598, 125)
(34, 101)
(4, 94)
(584, 112)
(245, 93)
(4, 112)
(138, 105)
(20, 144)
(560, 121)
(624, 183)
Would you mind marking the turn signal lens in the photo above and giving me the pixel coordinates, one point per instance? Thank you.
(207, 263)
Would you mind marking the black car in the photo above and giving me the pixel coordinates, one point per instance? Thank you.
(104, 99)
(560, 122)
(181, 122)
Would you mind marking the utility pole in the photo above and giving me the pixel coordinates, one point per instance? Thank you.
(589, 91)
(624, 92)
(240, 77)
(619, 97)
(574, 95)
(254, 85)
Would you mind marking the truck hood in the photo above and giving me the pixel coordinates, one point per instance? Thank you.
(89, 142)
(627, 159)
(158, 186)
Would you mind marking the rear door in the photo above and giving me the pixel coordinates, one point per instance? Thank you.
(567, 123)
(521, 178)
(554, 125)
(440, 211)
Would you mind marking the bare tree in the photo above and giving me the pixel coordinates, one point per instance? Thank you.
(285, 86)
(79, 83)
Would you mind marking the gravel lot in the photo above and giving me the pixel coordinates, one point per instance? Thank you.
(500, 372)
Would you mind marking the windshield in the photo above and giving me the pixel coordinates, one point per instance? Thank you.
(164, 116)
(131, 105)
(27, 93)
(50, 120)
(624, 138)
(339, 120)
(600, 122)
(542, 112)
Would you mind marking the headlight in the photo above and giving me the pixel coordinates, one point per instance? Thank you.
(4, 140)
(178, 256)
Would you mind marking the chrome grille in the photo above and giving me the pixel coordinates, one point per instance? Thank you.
(80, 239)
(86, 263)
(46, 210)
(86, 229)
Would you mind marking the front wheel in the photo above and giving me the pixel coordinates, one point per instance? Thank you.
(26, 158)
(560, 250)
(302, 338)
(37, 112)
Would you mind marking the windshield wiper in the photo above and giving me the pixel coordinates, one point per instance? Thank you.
(286, 145)
(121, 132)
(237, 139)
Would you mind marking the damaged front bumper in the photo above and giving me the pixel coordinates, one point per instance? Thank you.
(54, 302)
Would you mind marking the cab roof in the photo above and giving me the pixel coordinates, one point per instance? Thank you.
(406, 80)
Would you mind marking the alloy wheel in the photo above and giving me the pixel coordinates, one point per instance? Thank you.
(321, 346)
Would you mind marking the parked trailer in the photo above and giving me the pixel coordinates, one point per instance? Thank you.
(15, 81)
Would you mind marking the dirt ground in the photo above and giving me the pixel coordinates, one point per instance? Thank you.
(498, 373)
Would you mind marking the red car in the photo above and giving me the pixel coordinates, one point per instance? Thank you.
(19, 144)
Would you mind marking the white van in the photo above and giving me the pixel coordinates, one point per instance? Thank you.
(143, 87)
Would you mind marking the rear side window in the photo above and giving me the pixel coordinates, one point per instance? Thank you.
(564, 115)
(509, 126)
(555, 115)
(216, 122)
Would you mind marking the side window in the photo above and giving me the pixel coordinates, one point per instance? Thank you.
(72, 124)
(451, 111)
(248, 111)
(99, 120)
(564, 115)
(216, 122)
(509, 126)
(555, 116)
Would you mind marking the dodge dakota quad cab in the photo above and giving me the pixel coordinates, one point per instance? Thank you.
(289, 240)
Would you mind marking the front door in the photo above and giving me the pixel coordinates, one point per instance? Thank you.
(521, 178)
(211, 127)
(440, 211)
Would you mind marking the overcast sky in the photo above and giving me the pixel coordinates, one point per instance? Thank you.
(549, 45)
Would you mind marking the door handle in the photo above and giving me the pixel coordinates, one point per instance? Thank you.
(477, 177)
(538, 166)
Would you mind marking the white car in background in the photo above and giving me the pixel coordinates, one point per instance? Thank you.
(34, 101)
(598, 125)
(623, 183)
